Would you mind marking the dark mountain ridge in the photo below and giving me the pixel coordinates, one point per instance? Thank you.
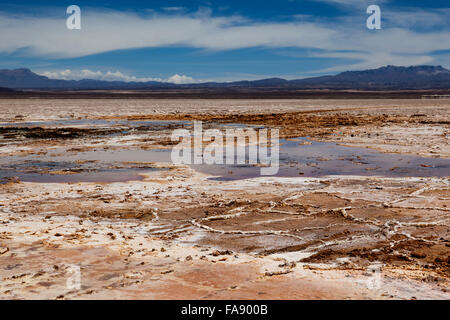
(384, 78)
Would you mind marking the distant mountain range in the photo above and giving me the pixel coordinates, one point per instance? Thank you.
(385, 78)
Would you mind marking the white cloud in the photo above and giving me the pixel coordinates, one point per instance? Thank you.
(371, 61)
(180, 79)
(112, 30)
(111, 76)
(106, 31)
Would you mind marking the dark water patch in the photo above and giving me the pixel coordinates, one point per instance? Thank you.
(301, 157)
(91, 166)
(298, 157)
(117, 175)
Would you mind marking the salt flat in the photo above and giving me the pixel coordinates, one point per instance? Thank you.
(165, 231)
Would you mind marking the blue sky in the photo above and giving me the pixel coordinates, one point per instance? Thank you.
(193, 41)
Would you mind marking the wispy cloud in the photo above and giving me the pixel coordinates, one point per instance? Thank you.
(174, 9)
(418, 18)
(371, 61)
(105, 31)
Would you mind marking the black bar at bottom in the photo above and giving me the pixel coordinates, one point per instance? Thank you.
(224, 309)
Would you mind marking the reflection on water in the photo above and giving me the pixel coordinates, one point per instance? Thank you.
(117, 175)
(298, 157)
(89, 166)
(301, 157)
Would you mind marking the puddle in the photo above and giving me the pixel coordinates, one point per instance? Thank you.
(298, 157)
(90, 166)
(95, 176)
(64, 165)
(302, 157)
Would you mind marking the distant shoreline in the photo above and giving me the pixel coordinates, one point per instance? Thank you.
(238, 93)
